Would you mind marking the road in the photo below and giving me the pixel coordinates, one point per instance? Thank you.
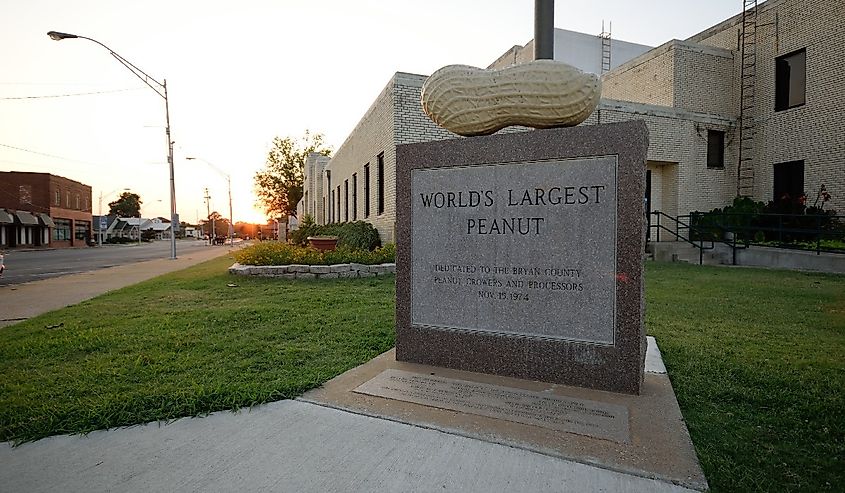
(32, 265)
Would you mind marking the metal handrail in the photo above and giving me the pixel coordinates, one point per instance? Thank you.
(824, 227)
(678, 224)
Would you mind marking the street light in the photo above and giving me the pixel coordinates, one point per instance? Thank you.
(160, 88)
(100, 228)
(229, 181)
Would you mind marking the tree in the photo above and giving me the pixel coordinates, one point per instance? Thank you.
(127, 205)
(221, 224)
(279, 185)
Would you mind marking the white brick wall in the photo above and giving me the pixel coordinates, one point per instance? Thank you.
(684, 89)
(395, 118)
(689, 75)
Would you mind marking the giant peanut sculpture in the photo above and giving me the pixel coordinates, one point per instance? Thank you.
(539, 94)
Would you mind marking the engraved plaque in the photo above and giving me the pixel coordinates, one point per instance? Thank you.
(580, 416)
(521, 254)
(524, 249)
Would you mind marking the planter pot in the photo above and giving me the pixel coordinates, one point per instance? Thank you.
(323, 243)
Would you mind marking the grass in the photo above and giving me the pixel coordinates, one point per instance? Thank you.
(756, 357)
(185, 344)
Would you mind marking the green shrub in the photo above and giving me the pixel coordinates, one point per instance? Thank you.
(307, 227)
(357, 235)
(278, 253)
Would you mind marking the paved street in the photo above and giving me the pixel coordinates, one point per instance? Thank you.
(34, 265)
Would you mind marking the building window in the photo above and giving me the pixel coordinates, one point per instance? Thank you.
(380, 178)
(67, 200)
(788, 181)
(58, 198)
(331, 193)
(85, 201)
(337, 210)
(790, 80)
(81, 230)
(354, 196)
(307, 208)
(367, 190)
(346, 200)
(325, 212)
(62, 230)
(77, 201)
(715, 149)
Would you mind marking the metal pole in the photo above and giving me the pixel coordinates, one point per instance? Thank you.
(174, 219)
(208, 214)
(231, 218)
(99, 228)
(544, 29)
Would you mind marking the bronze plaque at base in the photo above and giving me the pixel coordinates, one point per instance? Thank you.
(580, 416)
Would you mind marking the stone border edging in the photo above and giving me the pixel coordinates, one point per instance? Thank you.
(298, 271)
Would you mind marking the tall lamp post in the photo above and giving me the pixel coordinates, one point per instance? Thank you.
(161, 89)
(229, 181)
(100, 229)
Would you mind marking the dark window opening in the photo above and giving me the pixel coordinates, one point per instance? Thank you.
(62, 230)
(346, 200)
(715, 149)
(331, 193)
(380, 178)
(354, 196)
(789, 181)
(367, 190)
(337, 214)
(790, 80)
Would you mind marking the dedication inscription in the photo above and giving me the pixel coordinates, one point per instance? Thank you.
(580, 416)
(525, 249)
(521, 254)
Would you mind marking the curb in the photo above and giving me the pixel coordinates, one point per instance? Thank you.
(298, 271)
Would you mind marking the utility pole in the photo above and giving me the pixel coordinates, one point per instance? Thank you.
(231, 217)
(208, 215)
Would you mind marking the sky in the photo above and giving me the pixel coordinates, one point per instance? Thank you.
(241, 73)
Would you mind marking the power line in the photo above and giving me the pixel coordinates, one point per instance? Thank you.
(51, 155)
(69, 95)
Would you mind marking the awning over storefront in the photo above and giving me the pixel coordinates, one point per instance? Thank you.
(5, 217)
(46, 220)
(26, 218)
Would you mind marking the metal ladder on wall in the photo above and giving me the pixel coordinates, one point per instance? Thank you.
(748, 72)
(605, 47)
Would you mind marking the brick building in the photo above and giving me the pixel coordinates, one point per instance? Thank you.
(689, 93)
(41, 209)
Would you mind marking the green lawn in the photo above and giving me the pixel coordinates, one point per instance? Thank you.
(756, 357)
(185, 344)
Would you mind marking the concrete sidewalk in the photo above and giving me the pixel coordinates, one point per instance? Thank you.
(291, 445)
(22, 301)
(295, 446)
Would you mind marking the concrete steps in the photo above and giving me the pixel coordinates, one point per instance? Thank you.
(677, 251)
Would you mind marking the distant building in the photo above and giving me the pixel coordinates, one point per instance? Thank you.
(130, 227)
(721, 122)
(43, 210)
(580, 50)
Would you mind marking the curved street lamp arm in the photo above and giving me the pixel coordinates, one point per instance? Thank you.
(158, 88)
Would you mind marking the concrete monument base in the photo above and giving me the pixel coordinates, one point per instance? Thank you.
(642, 435)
